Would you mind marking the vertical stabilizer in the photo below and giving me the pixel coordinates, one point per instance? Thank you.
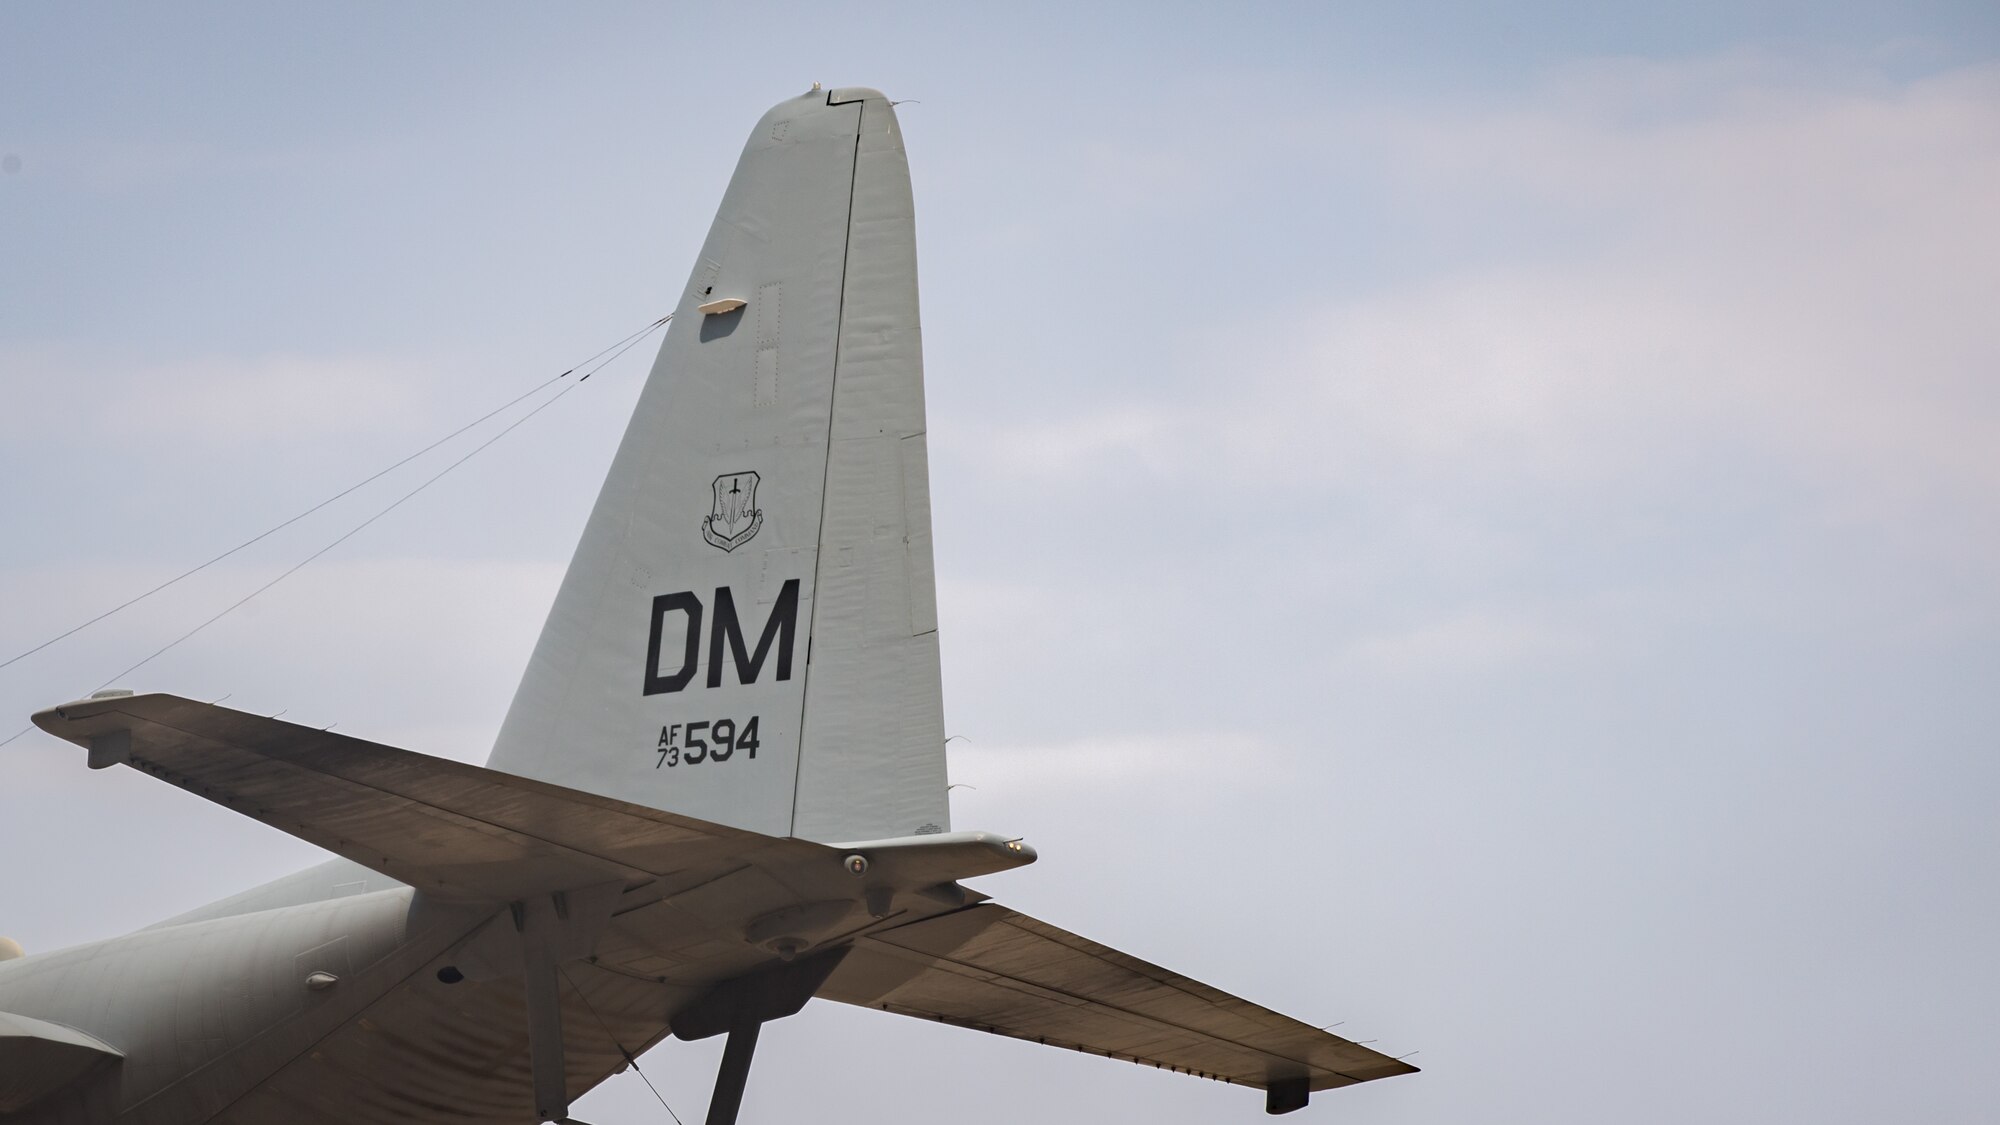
(747, 632)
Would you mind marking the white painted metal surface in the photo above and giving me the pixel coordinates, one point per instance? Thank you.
(774, 474)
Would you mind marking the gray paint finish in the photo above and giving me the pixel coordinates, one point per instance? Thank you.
(816, 388)
(39, 1058)
(564, 904)
(872, 763)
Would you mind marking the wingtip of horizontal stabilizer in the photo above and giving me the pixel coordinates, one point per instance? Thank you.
(56, 720)
(91, 724)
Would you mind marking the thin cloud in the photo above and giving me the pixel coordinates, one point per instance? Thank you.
(1110, 759)
(220, 398)
(1471, 642)
(1793, 271)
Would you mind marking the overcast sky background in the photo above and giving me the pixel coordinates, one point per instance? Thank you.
(1478, 521)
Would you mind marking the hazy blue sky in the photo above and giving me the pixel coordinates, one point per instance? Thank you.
(1479, 521)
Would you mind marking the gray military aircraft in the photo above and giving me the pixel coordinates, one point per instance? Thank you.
(719, 791)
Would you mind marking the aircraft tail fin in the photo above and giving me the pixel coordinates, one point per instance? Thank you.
(747, 632)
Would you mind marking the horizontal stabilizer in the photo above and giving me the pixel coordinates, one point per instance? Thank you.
(993, 969)
(450, 829)
(38, 1058)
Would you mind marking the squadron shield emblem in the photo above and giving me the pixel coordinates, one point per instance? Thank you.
(735, 517)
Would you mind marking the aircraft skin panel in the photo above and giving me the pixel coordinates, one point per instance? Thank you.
(425, 1051)
(996, 970)
(215, 1023)
(873, 762)
(690, 904)
(715, 486)
(454, 831)
(336, 878)
(773, 475)
(38, 1058)
(202, 1012)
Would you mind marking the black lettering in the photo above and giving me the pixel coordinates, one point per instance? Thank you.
(683, 602)
(781, 627)
(697, 749)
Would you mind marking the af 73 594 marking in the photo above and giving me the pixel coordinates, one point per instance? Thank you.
(715, 740)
